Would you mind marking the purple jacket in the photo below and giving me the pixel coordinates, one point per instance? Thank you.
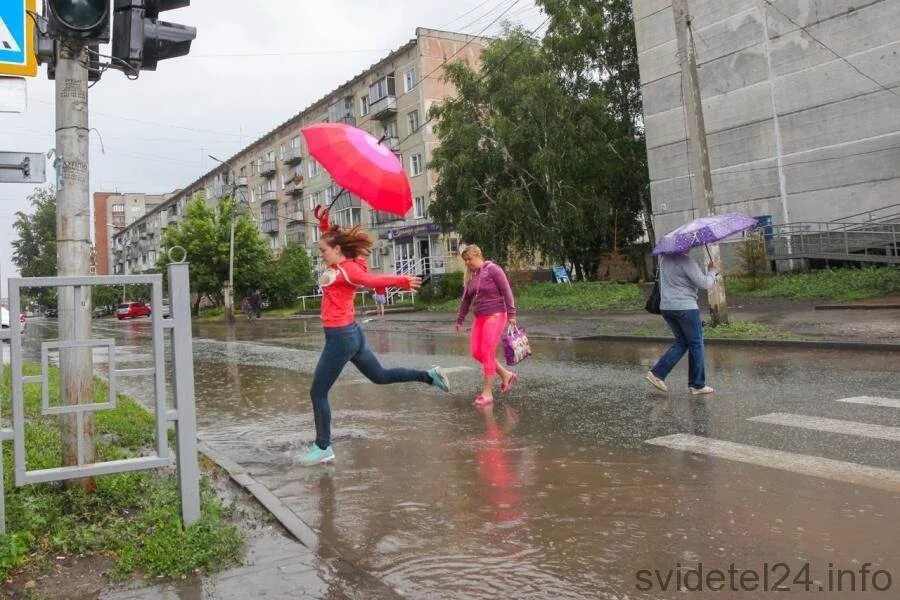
(489, 290)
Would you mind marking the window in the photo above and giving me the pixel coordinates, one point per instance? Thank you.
(283, 150)
(413, 120)
(409, 80)
(244, 171)
(313, 168)
(295, 142)
(415, 165)
(390, 130)
(364, 105)
(453, 245)
(381, 88)
(118, 208)
(421, 207)
(375, 259)
(285, 179)
(270, 156)
(254, 167)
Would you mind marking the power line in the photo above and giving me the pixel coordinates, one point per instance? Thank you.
(465, 14)
(827, 47)
(302, 53)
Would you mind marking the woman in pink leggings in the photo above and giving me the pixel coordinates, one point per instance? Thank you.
(486, 290)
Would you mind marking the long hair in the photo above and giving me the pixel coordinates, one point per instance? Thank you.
(353, 242)
(475, 252)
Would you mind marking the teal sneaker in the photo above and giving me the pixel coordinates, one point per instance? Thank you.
(439, 378)
(316, 456)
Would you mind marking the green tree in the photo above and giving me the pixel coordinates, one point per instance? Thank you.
(34, 250)
(291, 276)
(204, 234)
(523, 165)
(592, 43)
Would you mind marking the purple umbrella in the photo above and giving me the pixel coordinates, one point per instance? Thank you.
(702, 231)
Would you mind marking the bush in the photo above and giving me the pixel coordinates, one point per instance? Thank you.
(753, 254)
(448, 287)
(838, 285)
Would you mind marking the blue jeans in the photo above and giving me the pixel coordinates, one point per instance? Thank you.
(688, 331)
(343, 345)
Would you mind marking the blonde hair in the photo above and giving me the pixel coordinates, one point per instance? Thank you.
(353, 242)
(473, 251)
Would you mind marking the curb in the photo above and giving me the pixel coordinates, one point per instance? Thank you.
(805, 344)
(302, 532)
(856, 306)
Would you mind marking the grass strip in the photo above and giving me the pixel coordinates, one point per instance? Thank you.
(134, 518)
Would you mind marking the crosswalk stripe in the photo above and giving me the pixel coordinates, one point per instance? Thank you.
(814, 466)
(869, 430)
(872, 401)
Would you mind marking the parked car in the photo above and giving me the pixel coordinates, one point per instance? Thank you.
(4, 317)
(51, 313)
(130, 310)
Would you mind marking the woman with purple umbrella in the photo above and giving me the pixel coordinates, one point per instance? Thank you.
(679, 280)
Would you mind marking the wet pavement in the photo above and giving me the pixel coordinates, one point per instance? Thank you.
(578, 485)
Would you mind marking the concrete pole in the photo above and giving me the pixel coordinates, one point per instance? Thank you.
(73, 252)
(699, 153)
(229, 290)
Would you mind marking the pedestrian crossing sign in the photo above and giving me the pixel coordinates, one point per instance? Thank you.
(17, 38)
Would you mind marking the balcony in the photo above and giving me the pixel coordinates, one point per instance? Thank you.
(294, 187)
(240, 181)
(269, 196)
(384, 108)
(391, 142)
(296, 216)
(297, 237)
(292, 156)
(269, 225)
(267, 168)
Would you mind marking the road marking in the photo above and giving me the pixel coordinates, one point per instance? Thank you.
(869, 430)
(872, 401)
(814, 466)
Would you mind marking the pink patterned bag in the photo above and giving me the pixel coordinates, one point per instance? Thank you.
(515, 345)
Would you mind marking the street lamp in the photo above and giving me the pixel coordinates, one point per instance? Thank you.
(229, 290)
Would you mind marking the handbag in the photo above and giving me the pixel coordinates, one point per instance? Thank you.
(515, 345)
(652, 305)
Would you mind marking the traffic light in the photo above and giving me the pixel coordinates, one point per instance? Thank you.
(78, 19)
(141, 39)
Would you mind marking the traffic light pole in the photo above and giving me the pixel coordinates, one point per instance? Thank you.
(73, 249)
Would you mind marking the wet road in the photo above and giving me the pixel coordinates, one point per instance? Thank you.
(586, 482)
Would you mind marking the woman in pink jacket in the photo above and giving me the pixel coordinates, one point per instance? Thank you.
(487, 291)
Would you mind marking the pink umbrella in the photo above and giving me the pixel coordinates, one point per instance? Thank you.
(361, 165)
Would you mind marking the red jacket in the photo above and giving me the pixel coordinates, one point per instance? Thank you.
(339, 285)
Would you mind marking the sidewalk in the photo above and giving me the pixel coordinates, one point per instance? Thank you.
(872, 322)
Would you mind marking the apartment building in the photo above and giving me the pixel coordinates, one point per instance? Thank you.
(801, 121)
(114, 211)
(281, 184)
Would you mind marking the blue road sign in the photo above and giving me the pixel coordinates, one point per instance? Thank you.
(17, 38)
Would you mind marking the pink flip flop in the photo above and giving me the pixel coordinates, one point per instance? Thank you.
(482, 400)
(505, 387)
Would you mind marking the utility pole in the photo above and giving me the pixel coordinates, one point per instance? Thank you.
(73, 250)
(699, 153)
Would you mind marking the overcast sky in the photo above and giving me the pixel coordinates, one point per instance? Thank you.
(249, 70)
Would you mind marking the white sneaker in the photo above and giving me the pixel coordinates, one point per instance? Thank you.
(704, 390)
(656, 381)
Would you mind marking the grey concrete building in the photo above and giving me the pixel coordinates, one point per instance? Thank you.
(801, 100)
(281, 185)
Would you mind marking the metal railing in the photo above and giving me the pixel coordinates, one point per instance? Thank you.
(837, 240)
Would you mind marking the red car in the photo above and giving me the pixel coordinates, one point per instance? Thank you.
(130, 310)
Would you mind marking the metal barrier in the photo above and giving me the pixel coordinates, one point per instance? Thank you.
(183, 412)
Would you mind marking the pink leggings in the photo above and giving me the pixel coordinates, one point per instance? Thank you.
(486, 332)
